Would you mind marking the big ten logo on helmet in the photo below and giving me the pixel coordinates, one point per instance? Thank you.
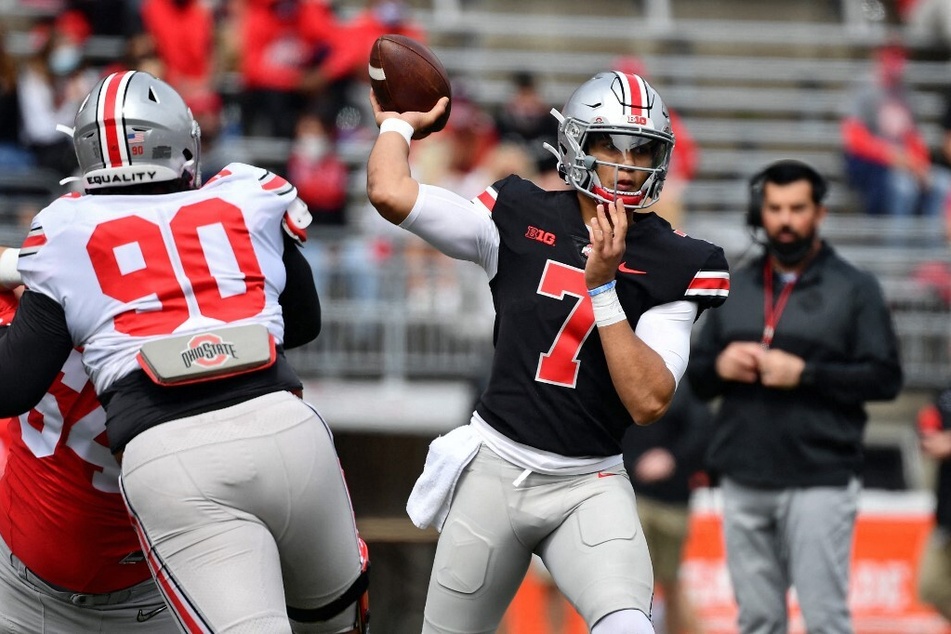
(637, 119)
(534, 233)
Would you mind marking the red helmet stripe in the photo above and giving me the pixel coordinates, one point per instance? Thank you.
(112, 138)
(626, 93)
(636, 93)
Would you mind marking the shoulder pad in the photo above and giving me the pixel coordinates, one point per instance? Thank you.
(296, 220)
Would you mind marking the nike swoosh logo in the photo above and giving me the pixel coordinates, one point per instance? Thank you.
(602, 474)
(142, 617)
(622, 267)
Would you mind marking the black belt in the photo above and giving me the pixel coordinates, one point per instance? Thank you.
(79, 598)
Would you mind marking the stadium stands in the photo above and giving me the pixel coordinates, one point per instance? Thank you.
(753, 82)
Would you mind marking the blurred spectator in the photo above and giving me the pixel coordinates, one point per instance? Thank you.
(340, 83)
(323, 182)
(683, 161)
(526, 118)
(934, 573)
(184, 37)
(12, 154)
(218, 148)
(942, 156)
(453, 157)
(282, 40)
(51, 85)
(928, 21)
(665, 461)
(138, 53)
(109, 18)
(319, 173)
(886, 157)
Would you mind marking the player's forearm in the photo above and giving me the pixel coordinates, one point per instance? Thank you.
(639, 374)
(32, 352)
(390, 186)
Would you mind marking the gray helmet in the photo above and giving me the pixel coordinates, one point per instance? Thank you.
(626, 107)
(132, 129)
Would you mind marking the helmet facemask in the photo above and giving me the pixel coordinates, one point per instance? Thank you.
(624, 112)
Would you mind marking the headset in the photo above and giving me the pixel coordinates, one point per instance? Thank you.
(783, 172)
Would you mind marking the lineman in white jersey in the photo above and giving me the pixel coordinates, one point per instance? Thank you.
(183, 299)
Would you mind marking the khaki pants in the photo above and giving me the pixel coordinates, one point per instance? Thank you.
(934, 573)
(665, 526)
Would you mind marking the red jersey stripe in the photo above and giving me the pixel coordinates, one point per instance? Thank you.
(275, 182)
(487, 198)
(34, 240)
(709, 283)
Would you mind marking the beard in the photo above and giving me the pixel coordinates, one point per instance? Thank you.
(793, 252)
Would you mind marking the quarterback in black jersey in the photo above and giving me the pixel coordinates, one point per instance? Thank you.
(595, 299)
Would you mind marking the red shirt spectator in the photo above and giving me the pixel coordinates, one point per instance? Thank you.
(352, 44)
(183, 32)
(318, 172)
(281, 38)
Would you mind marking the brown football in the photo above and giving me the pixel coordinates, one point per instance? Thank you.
(406, 76)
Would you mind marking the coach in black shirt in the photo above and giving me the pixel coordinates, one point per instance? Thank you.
(805, 340)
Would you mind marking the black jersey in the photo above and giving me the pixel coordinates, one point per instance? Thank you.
(550, 387)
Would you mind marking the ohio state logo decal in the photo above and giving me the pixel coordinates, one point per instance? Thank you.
(208, 350)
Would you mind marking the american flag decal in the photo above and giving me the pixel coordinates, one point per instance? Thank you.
(136, 137)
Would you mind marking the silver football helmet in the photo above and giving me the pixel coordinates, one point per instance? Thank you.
(629, 111)
(132, 129)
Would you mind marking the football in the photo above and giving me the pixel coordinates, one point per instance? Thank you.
(406, 76)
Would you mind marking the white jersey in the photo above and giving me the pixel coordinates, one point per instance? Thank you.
(128, 270)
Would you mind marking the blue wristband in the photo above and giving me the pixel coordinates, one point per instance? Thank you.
(604, 288)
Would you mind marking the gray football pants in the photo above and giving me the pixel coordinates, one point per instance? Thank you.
(242, 512)
(584, 528)
(777, 538)
(29, 605)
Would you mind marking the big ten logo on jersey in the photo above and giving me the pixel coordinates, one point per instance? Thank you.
(637, 119)
(546, 237)
(69, 418)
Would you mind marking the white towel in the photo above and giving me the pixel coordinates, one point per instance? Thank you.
(448, 455)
